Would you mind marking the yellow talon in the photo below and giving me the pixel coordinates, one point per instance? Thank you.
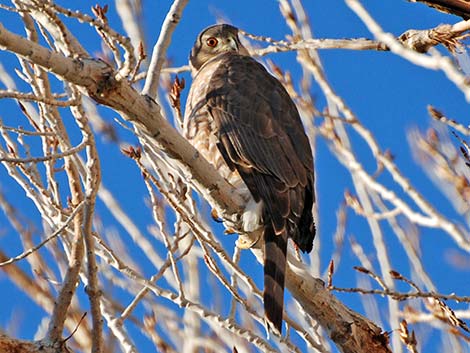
(244, 242)
(215, 216)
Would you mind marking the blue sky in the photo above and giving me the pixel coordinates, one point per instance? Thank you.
(388, 94)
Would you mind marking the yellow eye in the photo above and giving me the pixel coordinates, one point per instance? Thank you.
(212, 42)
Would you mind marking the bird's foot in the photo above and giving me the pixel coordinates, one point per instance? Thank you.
(245, 242)
(215, 216)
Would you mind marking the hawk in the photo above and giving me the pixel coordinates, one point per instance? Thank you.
(243, 121)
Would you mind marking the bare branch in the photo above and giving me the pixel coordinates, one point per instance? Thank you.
(435, 62)
(159, 51)
(33, 97)
(51, 157)
(8, 344)
(437, 115)
(45, 241)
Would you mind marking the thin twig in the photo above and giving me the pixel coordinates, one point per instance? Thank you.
(51, 157)
(45, 241)
(400, 296)
(35, 98)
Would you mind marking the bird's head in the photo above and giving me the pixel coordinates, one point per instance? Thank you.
(213, 41)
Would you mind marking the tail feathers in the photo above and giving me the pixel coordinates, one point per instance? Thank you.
(275, 248)
(305, 232)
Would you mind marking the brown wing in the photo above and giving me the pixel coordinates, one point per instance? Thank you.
(261, 136)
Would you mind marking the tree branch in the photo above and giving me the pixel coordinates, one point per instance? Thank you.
(158, 56)
(11, 345)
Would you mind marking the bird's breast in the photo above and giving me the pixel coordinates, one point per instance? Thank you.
(200, 132)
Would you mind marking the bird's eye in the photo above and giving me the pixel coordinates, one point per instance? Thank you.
(212, 42)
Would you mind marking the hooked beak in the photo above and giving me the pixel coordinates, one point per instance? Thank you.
(230, 44)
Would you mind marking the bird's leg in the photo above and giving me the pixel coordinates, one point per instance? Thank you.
(251, 224)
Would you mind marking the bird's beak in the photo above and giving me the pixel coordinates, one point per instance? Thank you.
(231, 44)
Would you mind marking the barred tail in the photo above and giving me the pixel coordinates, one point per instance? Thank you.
(275, 248)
